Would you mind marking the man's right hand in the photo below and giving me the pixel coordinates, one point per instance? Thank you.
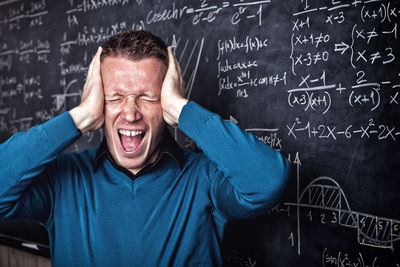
(89, 115)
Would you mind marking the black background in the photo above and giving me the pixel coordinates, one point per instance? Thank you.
(317, 80)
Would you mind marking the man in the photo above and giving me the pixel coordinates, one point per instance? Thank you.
(138, 199)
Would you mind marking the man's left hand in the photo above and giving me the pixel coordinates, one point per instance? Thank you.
(172, 91)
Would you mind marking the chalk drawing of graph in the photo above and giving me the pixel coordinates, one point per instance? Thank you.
(188, 52)
(60, 100)
(326, 194)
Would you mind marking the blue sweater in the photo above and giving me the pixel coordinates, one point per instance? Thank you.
(96, 215)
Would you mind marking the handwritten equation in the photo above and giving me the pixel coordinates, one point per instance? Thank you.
(22, 15)
(208, 12)
(343, 258)
(27, 52)
(314, 94)
(371, 129)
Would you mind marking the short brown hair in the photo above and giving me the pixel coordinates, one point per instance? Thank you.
(135, 45)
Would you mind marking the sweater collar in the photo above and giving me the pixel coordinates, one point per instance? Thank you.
(169, 147)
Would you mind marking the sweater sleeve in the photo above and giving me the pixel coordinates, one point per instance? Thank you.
(249, 174)
(27, 168)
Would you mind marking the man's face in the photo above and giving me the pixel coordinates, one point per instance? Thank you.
(133, 116)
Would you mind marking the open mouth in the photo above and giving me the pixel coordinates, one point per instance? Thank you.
(130, 140)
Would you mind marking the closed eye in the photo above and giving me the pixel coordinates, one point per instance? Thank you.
(113, 98)
(149, 99)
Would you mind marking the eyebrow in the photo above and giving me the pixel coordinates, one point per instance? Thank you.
(150, 95)
(113, 94)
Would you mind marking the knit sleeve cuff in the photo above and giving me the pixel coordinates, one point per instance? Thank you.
(192, 118)
(61, 131)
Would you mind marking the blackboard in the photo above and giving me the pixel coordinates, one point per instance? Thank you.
(317, 80)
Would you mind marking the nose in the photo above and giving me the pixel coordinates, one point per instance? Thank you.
(130, 111)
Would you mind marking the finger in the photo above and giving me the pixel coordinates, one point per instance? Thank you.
(176, 62)
(93, 76)
(94, 59)
(96, 65)
(181, 81)
(175, 66)
(171, 60)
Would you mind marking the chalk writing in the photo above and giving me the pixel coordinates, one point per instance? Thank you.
(30, 51)
(189, 54)
(332, 132)
(89, 36)
(348, 259)
(234, 259)
(267, 136)
(26, 89)
(247, 45)
(93, 5)
(326, 195)
(167, 14)
(33, 15)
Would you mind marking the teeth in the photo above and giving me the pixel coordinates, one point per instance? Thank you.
(130, 133)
